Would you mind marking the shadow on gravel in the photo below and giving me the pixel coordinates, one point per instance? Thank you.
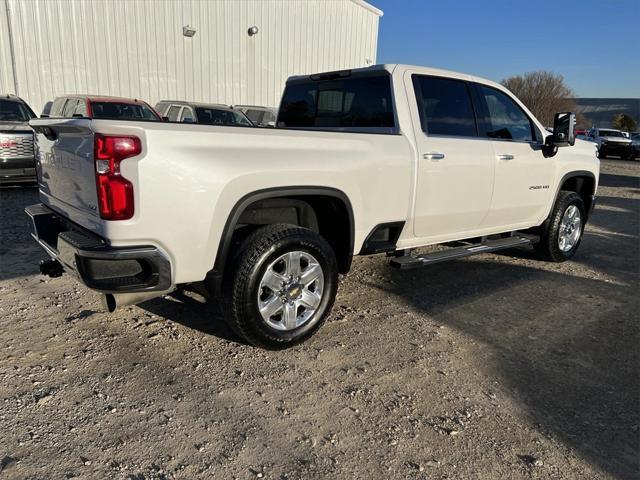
(619, 181)
(203, 316)
(19, 253)
(566, 345)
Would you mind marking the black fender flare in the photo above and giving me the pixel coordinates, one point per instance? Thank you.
(567, 176)
(216, 274)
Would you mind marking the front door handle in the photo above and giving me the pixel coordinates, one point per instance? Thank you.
(433, 156)
(505, 156)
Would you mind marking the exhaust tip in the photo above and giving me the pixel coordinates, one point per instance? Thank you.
(109, 303)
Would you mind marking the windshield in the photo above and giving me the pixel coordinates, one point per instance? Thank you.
(610, 133)
(122, 111)
(11, 111)
(214, 116)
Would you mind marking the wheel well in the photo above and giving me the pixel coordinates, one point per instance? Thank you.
(327, 214)
(584, 186)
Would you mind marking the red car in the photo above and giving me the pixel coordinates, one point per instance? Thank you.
(100, 107)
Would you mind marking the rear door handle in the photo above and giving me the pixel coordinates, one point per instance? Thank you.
(505, 156)
(433, 156)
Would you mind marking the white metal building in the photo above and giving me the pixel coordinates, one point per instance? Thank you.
(141, 48)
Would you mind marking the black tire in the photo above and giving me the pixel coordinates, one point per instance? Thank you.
(246, 268)
(548, 247)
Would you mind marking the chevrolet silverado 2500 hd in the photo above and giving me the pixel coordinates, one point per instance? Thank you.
(364, 161)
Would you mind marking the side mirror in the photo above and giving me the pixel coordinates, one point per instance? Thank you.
(188, 120)
(165, 119)
(564, 130)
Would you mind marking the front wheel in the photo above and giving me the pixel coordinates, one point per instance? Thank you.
(281, 286)
(563, 231)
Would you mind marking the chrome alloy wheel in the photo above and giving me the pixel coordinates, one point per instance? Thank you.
(290, 290)
(570, 228)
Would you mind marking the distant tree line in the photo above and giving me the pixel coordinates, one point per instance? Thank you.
(624, 122)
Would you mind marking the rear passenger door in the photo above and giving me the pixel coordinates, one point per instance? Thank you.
(522, 173)
(455, 165)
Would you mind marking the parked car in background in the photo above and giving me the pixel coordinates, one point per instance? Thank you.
(17, 161)
(100, 107)
(205, 113)
(260, 116)
(635, 144)
(611, 142)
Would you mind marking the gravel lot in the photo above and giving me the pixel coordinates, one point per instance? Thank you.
(498, 366)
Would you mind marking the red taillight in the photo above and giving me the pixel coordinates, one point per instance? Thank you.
(115, 193)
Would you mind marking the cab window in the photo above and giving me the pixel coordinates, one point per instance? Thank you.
(187, 115)
(255, 116)
(172, 113)
(81, 108)
(445, 106)
(57, 107)
(349, 104)
(69, 108)
(504, 119)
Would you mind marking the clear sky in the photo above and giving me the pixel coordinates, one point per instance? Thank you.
(594, 44)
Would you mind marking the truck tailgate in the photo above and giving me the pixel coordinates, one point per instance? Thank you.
(66, 167)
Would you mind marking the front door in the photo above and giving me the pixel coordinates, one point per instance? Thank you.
(523, 175)
(455, 165)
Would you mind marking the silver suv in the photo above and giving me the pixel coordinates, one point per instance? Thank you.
(205, 113)
(17, 161)
(611, 142)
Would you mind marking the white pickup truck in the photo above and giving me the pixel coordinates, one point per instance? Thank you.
(364, 161)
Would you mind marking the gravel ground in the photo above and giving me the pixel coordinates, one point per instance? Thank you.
(498, 366)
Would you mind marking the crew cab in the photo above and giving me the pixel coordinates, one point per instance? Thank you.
(17, 161)
(381, 159)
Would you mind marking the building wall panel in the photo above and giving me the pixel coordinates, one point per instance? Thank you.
(135, 48)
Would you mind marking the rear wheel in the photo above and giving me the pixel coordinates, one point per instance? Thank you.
(281, 285)
(563, 231)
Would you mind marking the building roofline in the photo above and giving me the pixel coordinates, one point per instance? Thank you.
(368, 6)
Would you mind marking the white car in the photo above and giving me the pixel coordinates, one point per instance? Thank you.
(375, 160)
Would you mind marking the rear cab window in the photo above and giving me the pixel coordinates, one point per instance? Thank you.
(337, 101)
(217, 116)
(122, 111)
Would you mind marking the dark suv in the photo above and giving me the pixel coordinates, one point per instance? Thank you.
(17, 161)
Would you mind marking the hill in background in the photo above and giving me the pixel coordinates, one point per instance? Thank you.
(601, 111)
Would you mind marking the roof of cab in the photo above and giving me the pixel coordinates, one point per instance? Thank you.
(105, 98)
(393, 67)
(219, 106)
